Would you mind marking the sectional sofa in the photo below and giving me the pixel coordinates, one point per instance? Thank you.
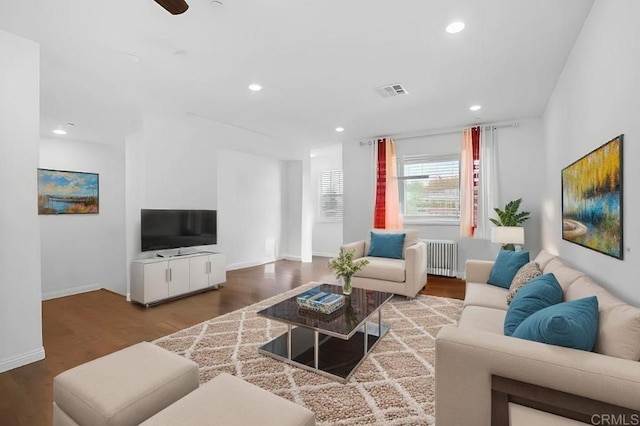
(484, 377)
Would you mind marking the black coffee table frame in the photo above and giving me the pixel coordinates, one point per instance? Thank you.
(332, 345)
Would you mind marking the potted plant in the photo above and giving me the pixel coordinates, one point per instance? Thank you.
(510, 217)
(344, 267)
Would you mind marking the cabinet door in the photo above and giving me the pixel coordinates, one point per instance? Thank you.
(218, 269)
(155, 282)
(178, 277)
(198, 272)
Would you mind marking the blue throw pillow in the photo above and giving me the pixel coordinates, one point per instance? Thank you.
(386, 245)
(507, 265)
(539, 293)
(571, 324)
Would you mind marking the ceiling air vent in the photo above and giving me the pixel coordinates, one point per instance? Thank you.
(392, 90)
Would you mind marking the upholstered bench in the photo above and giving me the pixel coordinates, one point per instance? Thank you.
(229, 401)
(123, 388)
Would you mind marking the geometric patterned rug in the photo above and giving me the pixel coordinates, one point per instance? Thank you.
(393, 386)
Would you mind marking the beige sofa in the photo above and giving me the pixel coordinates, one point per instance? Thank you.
(406, 276)
(483, 376)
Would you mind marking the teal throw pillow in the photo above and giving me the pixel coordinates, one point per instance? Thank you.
(571, 324)
(386, 245)
(539, 293)
(506, 266)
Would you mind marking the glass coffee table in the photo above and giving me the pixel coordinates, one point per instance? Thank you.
(332, 345)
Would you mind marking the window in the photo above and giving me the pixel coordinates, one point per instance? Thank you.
(429, 186)
(331, 202)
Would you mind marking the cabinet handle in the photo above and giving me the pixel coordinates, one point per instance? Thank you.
(170, 274)
(208, 267)
(166, 275)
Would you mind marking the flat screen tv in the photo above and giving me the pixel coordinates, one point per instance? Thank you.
(169, 229)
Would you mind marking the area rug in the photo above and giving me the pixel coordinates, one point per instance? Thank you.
(393, 386)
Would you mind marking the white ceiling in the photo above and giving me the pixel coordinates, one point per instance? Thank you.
(319, 62)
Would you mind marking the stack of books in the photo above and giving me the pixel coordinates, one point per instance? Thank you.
(319, 301)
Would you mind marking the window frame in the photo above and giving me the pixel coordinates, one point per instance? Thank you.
(421, 159)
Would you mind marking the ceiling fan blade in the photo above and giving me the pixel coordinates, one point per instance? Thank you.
(174, 7)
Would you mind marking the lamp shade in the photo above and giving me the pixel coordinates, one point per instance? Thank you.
(508, 235)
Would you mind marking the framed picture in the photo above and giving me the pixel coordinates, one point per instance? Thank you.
(592, 200)
(65, 192)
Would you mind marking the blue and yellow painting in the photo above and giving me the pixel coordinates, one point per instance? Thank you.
(592, 200)
(64, 192)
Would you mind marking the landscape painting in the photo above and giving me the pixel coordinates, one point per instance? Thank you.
(64, 192)
(592, 200)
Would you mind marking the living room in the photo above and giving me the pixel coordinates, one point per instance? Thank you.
(187, 154)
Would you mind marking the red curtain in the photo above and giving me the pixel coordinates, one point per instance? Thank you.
(475, 143)
(379, 212)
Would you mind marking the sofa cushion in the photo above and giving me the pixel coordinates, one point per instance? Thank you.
(571, 324)
(523, 276)
(410, 239)
(563, 273)
(619, 322)
(386, 245)
(539, 293)
(507, 264)
(543, 258)
(484, 319)
(382, 268)
(228, 400)
(487, 295)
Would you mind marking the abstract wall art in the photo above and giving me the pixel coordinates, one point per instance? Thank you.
(592, 200)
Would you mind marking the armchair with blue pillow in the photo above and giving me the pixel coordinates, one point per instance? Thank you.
(397, 262)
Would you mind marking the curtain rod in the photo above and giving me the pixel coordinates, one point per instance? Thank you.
(443, 132)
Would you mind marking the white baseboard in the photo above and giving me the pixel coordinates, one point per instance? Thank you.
(22, 359)
(322, 254)
(70, 291)
(293, 258)
(242, 265)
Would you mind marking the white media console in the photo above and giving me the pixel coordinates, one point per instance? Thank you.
(160, 278)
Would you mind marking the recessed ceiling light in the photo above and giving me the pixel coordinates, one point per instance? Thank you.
(455, 27)
(255, 87)
(475, 107)
(339, 129)
(59, 131)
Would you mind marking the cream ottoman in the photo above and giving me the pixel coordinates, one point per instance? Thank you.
(229, 401)
(123, 388)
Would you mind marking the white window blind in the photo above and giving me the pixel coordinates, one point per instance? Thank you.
(429, 186)
(331, 200)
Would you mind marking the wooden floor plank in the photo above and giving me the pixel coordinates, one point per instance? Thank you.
(80, 328)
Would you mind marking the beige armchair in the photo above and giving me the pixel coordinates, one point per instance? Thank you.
(406, 276)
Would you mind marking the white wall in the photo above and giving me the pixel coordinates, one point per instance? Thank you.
(595, 100)
(520, 166)
(188, 162)
(292, 211)
(249, 208)
(327, 236)
(20, 299)
(85, 252)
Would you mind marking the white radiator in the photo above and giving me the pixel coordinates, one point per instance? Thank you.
(442, 257)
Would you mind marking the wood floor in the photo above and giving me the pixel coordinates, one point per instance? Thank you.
(80, 328)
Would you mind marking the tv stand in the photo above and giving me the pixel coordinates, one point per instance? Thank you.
(163, 277)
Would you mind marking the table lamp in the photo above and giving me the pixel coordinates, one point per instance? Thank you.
(511, 237)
